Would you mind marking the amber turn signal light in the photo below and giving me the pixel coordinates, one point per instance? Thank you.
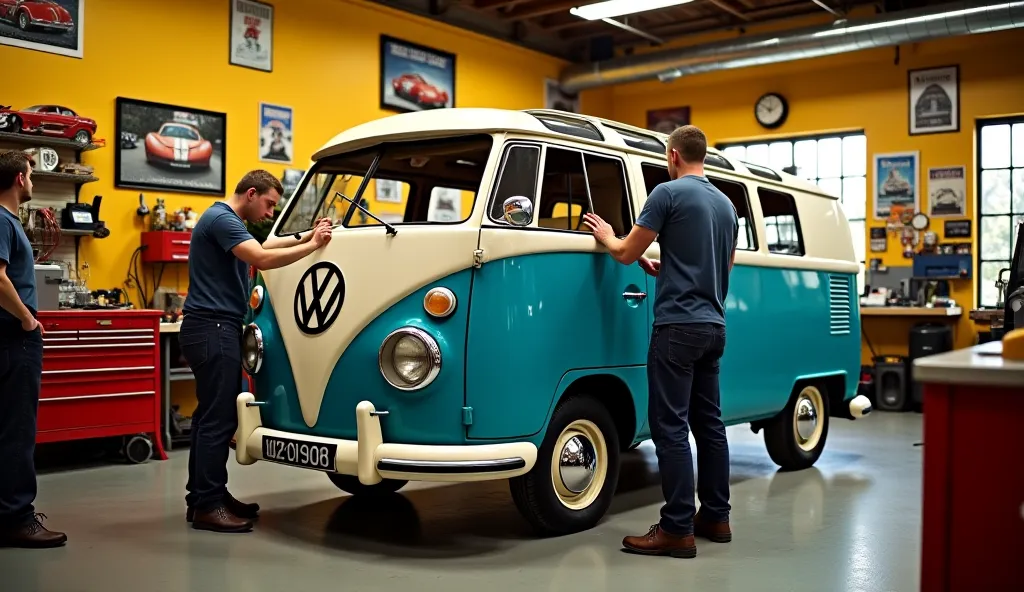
(256, 298)
(439, 302)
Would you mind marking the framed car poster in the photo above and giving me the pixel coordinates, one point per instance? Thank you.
(947, 191)
(169, 148)
(252, 35)
(276, 143)
(414, 77)
(896, 182)
(59, 26)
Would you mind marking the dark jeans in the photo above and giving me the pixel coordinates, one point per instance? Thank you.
(682, 376)
(21, 374)
(213, 349)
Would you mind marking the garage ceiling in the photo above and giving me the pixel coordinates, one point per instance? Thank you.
(549, 27)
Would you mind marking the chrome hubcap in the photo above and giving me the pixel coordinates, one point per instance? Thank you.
(577, 463)
(806, 418)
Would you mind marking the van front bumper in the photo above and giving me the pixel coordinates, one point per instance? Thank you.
(371, 459)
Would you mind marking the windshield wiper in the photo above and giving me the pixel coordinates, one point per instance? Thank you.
(387, 227)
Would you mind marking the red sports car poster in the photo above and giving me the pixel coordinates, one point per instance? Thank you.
(53, 26)
(252, 34)
(414, 77)
(169, 148)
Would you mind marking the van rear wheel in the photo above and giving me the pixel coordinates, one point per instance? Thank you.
(571, 486)
(351, 484)
(796, 437)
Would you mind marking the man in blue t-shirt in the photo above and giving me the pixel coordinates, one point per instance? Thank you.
(696, 226)
(21, 364)
(220, 251)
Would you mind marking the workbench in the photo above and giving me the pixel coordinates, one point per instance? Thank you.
(910, 311)
(168, 374)
(973, 498)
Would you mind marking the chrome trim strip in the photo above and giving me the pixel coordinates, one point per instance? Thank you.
(453, 466)
(119, 369)
(109, 396)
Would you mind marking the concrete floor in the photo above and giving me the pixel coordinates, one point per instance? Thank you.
(852, 523)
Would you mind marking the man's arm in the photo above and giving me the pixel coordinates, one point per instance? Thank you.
(255, 254)
(289, 240)
(626, 250)
(9, 299)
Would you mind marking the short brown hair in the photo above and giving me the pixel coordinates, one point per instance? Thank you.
(260, 180)
(690, 143)
(13, 162)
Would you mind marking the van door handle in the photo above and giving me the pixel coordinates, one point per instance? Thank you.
(634, 295)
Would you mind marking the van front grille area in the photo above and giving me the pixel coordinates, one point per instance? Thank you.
(839, 304)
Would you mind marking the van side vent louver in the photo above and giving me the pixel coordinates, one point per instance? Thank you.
(839, 304)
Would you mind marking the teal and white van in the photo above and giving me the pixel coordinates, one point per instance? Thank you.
(479, 331)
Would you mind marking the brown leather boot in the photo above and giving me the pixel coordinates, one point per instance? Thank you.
(659, 542)
(240, 509)
(716, 532)
(219, 519)
(32, 535)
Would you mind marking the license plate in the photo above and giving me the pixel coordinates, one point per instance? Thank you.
(311, 455)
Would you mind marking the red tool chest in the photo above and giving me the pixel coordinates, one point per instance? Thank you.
(165, 246)
(101, 376)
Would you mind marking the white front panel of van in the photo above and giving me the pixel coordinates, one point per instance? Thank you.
(378, 271)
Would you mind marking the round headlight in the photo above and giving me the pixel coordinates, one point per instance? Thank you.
(409, 359)
(252, 349)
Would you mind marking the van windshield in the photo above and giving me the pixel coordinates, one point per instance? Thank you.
(412, 182)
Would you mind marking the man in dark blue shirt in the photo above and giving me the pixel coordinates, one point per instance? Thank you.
(21, 364)
(696, 226)
(220, 251)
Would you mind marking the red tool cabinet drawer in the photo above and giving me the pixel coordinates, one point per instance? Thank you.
(101, 375)
(165, 246)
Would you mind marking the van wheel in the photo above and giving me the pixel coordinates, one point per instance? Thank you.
(351, 484)
(571, 486)
(796, 437)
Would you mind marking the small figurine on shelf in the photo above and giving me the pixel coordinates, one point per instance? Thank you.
(190, 218)
(158, 221)
(177, 221)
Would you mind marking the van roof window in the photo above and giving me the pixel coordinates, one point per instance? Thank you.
(572, 127)
(762, 171)
(716, 160)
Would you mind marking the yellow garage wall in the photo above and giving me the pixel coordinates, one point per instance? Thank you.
(862, 90)
(326, 67)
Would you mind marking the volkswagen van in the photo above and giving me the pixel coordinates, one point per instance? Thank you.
(468, 326)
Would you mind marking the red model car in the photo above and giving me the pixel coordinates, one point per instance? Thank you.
(178, 145)
(416, 89)
(48, 120)
(36, 14)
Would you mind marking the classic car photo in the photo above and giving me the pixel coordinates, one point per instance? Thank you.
(178, 145)
(30, 15)
(54, 121)
(416, 89)
(52, 26)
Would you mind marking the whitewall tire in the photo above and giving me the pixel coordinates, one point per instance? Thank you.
(796, 437)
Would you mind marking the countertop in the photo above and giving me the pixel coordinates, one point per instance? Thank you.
(978, 365)
(910, 311)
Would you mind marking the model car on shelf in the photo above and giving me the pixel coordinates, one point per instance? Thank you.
(53, 121)
(415, 88)
(178, 145)
(29, 15)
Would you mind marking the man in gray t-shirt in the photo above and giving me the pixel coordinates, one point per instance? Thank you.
(696, 226)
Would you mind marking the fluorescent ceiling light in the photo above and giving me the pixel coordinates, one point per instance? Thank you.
(610, 8)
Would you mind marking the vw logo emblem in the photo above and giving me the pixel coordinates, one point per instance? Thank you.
(318, 298)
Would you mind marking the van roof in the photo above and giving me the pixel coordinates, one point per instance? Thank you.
(542, 122)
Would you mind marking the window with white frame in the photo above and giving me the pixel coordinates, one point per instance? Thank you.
(1001, 200)
(837, 163)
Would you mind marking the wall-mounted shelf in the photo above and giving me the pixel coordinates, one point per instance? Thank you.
(40, 140)
(69, 177)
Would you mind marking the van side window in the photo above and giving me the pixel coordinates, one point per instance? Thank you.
(518, 178)
(574, 183)
(737, 194)
(654, 175)
(781, 222)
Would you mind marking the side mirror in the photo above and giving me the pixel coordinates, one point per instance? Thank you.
(518, 210)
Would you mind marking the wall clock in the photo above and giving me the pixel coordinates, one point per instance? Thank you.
(771, 110)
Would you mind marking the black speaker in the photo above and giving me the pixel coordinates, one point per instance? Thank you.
(926, 339)
(891, 383)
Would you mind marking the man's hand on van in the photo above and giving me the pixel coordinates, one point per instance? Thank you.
(322, 235)
(651, 266)
(601, 229)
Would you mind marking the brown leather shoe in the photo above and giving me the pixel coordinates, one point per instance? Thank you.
(716, 532)
(240, 509)
(32, 535)
(219, 519)
(659, 542)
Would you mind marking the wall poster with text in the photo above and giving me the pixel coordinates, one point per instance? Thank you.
(414, 77)
(252, 35)
(947, 191)
(934, 100)
(276, 143)
(896, 182)
(53, 26)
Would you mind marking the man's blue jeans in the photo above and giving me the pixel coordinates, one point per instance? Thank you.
(21, 374)
(682, 375)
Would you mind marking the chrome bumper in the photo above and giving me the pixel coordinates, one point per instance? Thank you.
(371, 459)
